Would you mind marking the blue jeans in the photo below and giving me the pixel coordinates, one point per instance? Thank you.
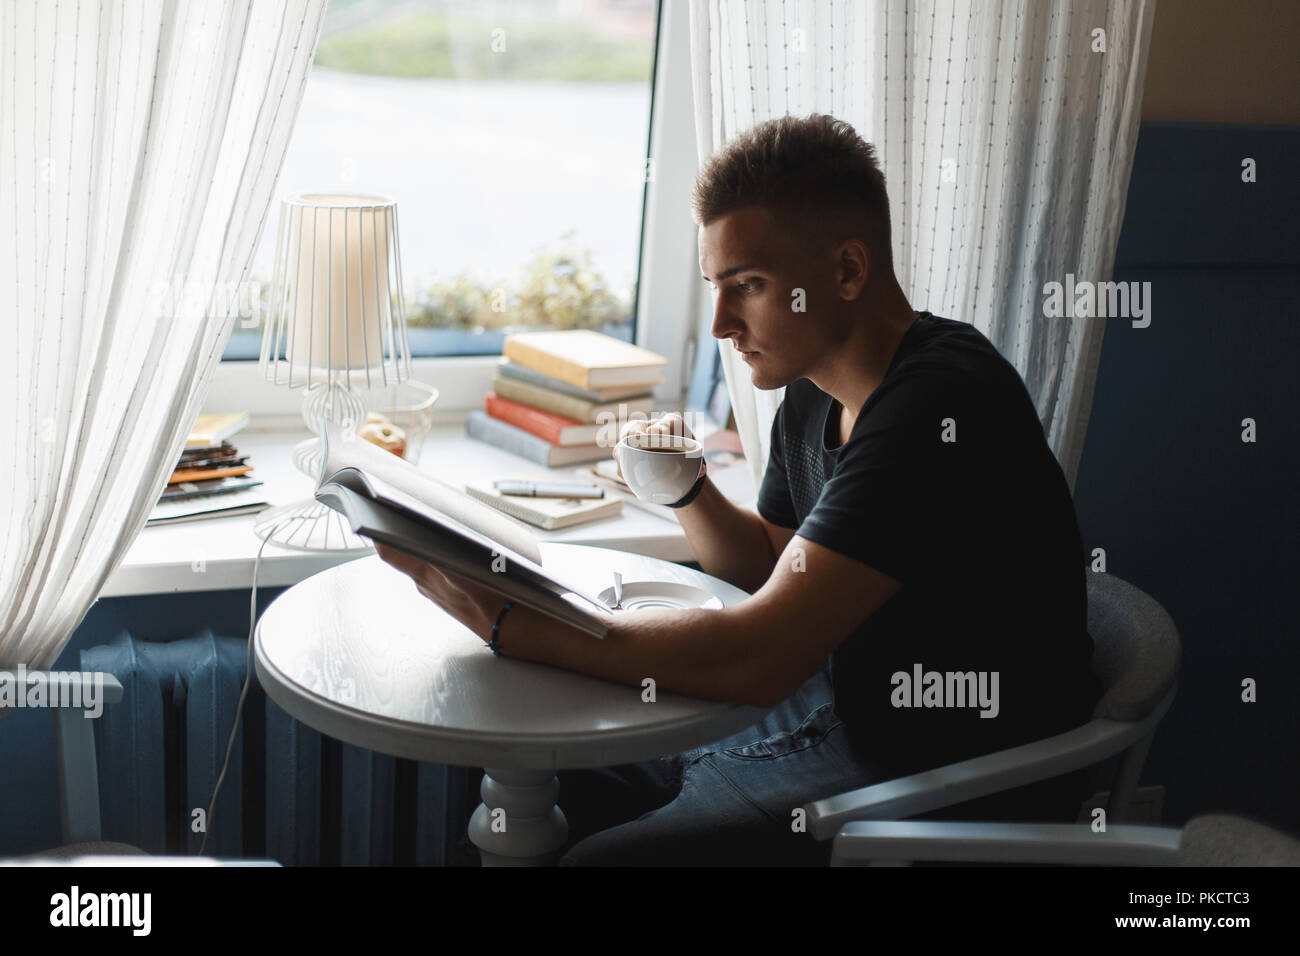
(736, 802)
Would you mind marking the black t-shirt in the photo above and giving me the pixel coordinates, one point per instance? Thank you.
(947, 484)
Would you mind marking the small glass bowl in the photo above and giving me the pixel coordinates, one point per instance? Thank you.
(409, 406)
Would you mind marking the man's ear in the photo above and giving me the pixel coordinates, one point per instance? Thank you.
(852, 268)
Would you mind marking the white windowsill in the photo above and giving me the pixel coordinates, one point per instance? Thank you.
(462, 381)
(218, 553)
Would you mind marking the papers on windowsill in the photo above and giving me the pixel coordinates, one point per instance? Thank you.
(225, 505)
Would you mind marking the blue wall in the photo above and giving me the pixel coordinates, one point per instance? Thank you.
(1185, 510)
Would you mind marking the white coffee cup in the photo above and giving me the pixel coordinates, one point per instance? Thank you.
(658, 468)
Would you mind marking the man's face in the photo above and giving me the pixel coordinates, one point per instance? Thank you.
(762, 276)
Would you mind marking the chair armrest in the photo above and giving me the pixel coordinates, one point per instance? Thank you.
(77, 697)
(72, 690)
(980, 776)
(892, 841)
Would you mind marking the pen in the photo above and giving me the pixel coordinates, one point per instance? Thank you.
(549, 489)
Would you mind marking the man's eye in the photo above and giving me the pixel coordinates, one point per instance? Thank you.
(745, 286)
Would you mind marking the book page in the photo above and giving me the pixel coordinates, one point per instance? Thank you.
(377, 510)
(350, 451)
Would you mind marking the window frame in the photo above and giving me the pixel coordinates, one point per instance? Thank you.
(667, 301)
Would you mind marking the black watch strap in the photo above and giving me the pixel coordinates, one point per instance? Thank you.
(687, 498)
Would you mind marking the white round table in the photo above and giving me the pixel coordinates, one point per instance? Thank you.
(357, 653)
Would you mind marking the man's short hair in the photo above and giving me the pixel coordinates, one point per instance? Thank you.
(815, 175)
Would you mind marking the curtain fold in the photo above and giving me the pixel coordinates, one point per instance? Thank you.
(1006, 131)
(140, 144)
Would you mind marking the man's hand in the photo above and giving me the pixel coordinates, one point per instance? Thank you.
(670, 424)
(472, 604)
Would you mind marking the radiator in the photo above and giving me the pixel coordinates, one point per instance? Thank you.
(290, 794)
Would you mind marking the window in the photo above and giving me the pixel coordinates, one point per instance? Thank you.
(513, 136)
(593, 233)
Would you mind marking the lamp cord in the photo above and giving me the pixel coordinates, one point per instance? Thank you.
(248, 679)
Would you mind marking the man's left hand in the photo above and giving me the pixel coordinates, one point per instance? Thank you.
(472, 604)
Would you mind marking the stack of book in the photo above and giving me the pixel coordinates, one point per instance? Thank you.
(212, 479)
(559, 398)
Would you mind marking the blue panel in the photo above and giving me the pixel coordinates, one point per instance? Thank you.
(367, 808)
(293, 773)
(1186, 510)
(445, 800)
(213, 675)
(1187, 204)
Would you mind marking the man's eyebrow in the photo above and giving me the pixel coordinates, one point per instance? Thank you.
(728, 273)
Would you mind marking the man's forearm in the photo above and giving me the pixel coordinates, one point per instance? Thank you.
(701, 653)
(728, 542)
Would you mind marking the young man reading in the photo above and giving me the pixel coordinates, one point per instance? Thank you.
(917, 575)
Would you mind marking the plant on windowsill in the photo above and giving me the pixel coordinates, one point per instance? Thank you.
(555, 290)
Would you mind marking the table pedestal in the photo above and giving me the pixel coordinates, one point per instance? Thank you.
(518, 823)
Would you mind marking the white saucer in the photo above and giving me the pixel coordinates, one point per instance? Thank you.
(646, 595)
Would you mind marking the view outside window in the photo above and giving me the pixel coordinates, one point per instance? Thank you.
(513, 137)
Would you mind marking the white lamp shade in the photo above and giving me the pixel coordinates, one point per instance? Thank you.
(337, 299)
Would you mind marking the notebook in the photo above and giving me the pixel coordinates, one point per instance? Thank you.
(549, 513)
(211, 506)
(212, 428)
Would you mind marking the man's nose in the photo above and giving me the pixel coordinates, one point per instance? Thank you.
(724, 322)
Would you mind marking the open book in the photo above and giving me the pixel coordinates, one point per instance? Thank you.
(389, 500)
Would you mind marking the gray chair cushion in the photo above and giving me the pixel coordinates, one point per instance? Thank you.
(1219, 839)
(1136, 648)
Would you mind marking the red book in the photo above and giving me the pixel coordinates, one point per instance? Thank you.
(555, 429)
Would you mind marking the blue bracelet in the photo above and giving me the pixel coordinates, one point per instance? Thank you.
(496, 628)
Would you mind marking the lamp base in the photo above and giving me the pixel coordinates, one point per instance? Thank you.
(309, 526)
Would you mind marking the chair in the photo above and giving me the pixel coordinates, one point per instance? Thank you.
(1136, 656)
(1210, 840)
(74, 742)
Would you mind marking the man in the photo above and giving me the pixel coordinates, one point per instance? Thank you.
(916, 570)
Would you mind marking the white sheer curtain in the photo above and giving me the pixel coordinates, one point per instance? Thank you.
(1006, 130)
(140, 143)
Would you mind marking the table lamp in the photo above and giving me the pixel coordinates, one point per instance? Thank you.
(336, 321)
